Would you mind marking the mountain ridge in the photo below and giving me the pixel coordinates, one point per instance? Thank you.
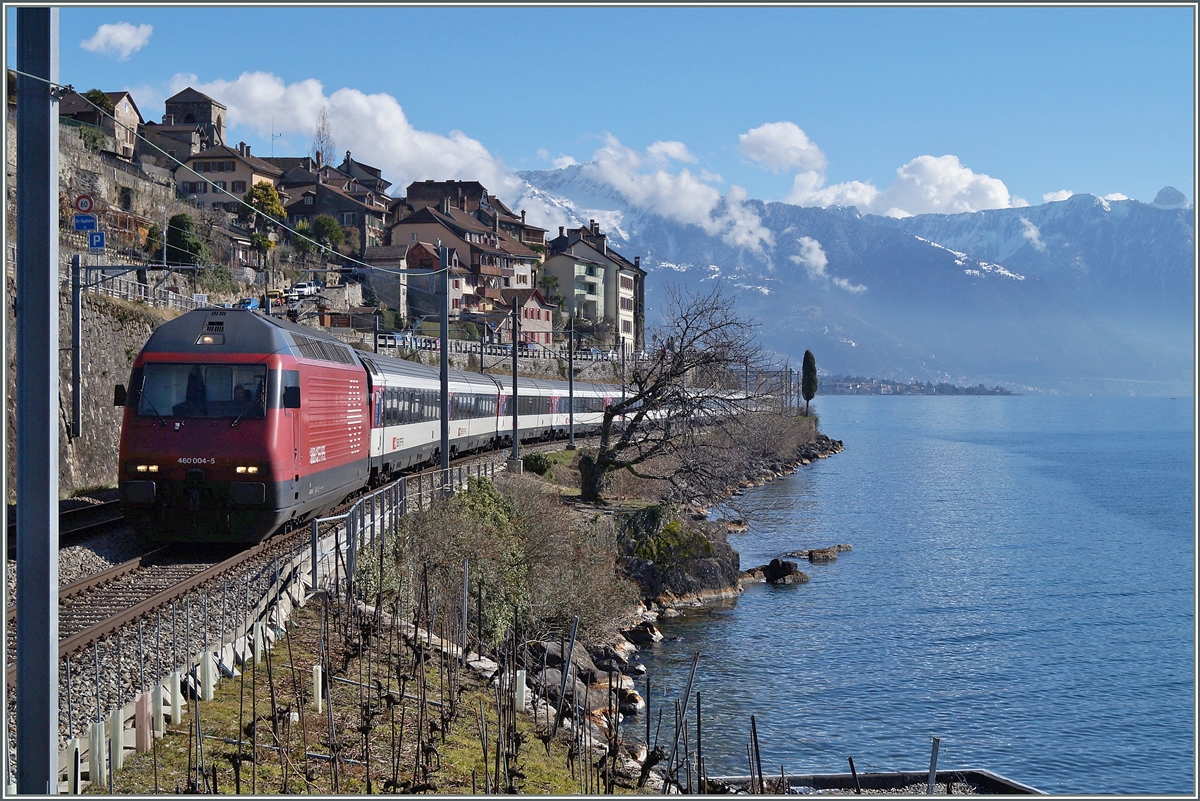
(1079, 295)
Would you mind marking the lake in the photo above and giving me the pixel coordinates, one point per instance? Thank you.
(1021, 585)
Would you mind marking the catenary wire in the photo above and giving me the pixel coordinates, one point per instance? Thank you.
(59, 88)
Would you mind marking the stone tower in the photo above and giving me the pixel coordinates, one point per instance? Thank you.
(190, 106)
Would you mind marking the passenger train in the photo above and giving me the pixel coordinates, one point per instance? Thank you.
(236, 423)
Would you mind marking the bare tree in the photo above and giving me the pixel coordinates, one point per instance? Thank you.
(681, 405)
(323, 142)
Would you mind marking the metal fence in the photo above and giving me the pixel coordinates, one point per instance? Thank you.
(333, 559)
(123, 288)
(262, 601)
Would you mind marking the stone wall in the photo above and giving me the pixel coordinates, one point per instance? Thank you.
(113, 333)
(128, 198)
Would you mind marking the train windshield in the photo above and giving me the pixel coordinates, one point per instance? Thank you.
(204, 390)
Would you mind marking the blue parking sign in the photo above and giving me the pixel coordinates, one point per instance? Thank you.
(96, 241)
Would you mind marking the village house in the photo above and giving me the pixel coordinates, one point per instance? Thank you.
(535, 323)
(221, 175)
(122, 126)
(520, 245)
(606, 289)
(424, 286)
(315, 188)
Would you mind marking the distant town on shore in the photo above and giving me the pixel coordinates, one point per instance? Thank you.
(857, 385)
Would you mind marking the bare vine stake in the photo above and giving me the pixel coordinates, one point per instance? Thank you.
(275, 722)
(750, 761)
(237, 765)
(487, 784)
(757, 756)
(297, 690)
(681, 716)
(701, 777)
(327, 680)
(568, 668)
(501, 756)
(253, 719)
(687, 757)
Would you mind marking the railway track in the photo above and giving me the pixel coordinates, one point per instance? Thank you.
(102, 604)
(74, 524)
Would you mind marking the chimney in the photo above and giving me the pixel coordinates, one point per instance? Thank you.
(522, 216)
(637, 262)
(319, 160)
(247, 153)
(168, 119)
(347, 157)
(241, 148)
(560, 230)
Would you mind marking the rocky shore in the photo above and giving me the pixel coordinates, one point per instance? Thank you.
(678, 558)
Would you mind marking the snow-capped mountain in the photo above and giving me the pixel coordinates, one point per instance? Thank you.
(1079, 295)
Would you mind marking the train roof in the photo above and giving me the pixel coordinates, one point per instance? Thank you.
(246, 331)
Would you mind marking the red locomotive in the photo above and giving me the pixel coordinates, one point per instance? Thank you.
(236, 423)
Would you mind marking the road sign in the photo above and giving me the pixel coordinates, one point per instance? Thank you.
(96, 241)
(85, 222)
(83, 203)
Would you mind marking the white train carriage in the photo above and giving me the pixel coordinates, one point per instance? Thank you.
(406, 412)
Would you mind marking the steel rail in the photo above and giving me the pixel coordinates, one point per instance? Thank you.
(97, 579)
(82, 639)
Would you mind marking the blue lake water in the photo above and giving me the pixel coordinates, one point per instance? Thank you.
(1021, 585)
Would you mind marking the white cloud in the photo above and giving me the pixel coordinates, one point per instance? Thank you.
(942, 185)
(808, 189)
(120, 39)
(683, 196)
(559, 163)
(925, 185)
(1116, 196)
(781, 146)
(1031, 232)
(1054, 197)
(374, 127)
(1019, 202)
(666, 151)
(814, 261)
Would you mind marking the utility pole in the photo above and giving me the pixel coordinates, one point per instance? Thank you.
(444, 259)
(514, 461)
(76, 347)
(571, 381)
(37, 402)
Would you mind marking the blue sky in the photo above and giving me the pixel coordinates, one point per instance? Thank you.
(977, 107)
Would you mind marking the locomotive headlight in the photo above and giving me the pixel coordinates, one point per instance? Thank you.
(146, 468)
(211, 339)
(252, 469)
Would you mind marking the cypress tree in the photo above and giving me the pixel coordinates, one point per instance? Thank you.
(808, 379)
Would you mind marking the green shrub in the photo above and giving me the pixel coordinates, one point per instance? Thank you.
(218, 278)
(93, 138)
(538, 463)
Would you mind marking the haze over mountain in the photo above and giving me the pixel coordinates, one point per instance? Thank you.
(1079, 295)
